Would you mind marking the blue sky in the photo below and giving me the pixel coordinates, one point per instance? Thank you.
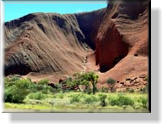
(14, 10)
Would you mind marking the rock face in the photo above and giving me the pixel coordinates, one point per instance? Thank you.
(42, 44)
(122, 39)
(47, 43)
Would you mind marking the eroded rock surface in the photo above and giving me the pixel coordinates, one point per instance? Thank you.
(111, 41)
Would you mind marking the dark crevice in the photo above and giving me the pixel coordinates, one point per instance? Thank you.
(41, 27)
(60, 21)
(20, 69)
(135, 54)
(105, 68)
(115, 15)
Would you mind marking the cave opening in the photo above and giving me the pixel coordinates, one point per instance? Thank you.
(20, 69)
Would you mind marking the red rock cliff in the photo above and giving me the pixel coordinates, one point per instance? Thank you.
(122, 39)
(57, 44)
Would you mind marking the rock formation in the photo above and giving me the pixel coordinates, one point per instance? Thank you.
(112, 41)
(122, 40)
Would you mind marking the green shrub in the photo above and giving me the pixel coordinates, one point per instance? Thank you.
(113, 101)
(75, 98)
(130, 90)
(102, 98)
(143, 101)
(111, 81)
(121, 100)
(16, 89)
(58, 87)
(124, 100)
(43, 88)
(10, 81)
(87, 79)
(37, 96)
(43, 82)
(90, 99)
(70, 83)
(14, 95)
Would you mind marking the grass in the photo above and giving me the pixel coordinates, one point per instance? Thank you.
(10, 107)
(82, 102)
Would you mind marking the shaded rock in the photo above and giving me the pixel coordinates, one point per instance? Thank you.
(142, 76)
(122, 83)
(128, 79)
(133, 78)
(138, 80)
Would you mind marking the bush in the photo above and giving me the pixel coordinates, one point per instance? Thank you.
(14, 95)
(111, 81)
(43, 88)
(37, 96)
(16, 89)
(74, 98)
(43, 82)
(121, 100)
(87, 79)
(144, 101)
(70, 83)
(10, 81)
(58, 87)
(124, 100)
(130, 90)
(102, 98)
(90, 99)
(113, 101)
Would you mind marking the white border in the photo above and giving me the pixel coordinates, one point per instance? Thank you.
(1, 52)
(101, 121)
(133, 116)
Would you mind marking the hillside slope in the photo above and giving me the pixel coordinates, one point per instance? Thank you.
(112, 41)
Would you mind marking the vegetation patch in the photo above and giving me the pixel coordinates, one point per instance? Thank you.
(24, 94)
